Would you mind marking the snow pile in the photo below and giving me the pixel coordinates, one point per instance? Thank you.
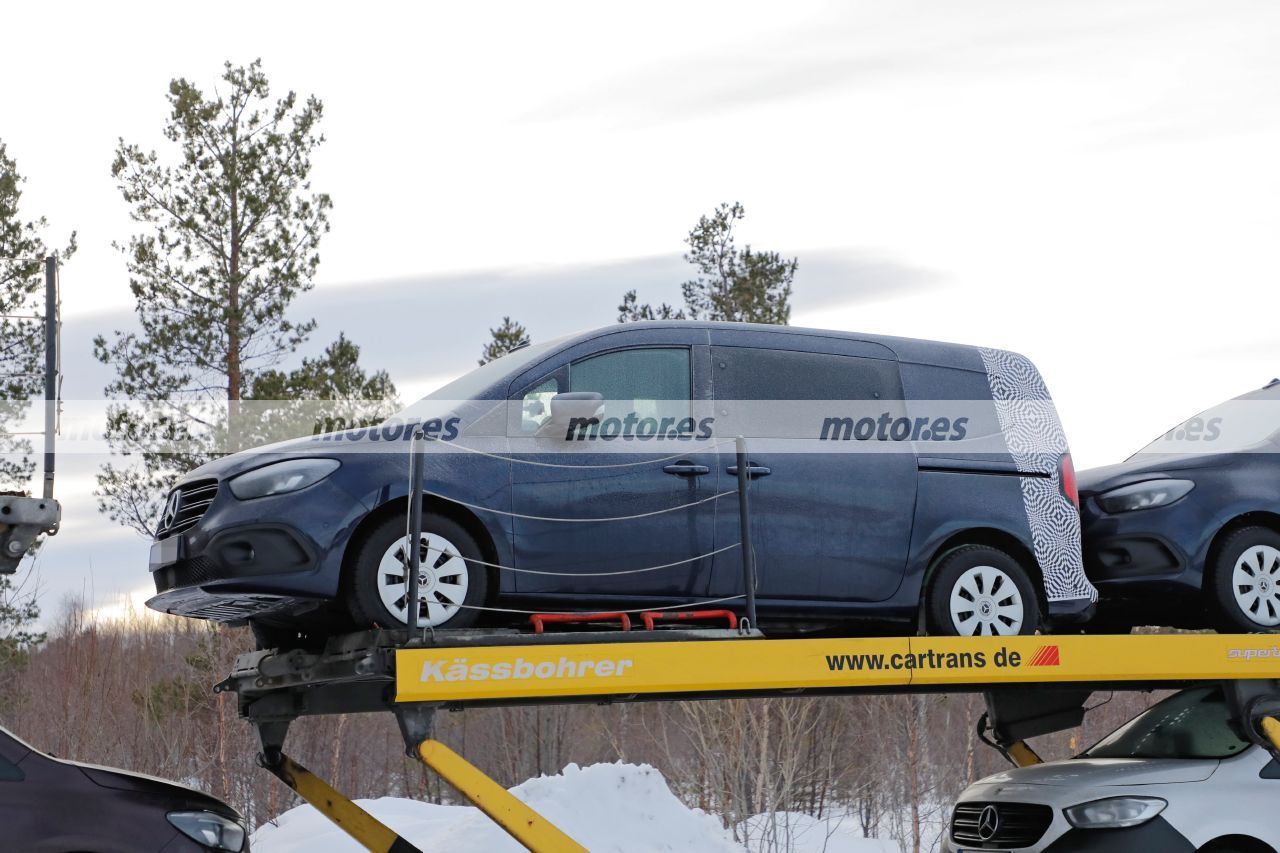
(604, 807)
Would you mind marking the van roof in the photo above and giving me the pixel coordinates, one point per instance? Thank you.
(913, 350)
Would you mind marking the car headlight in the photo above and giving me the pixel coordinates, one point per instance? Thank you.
(282, 477)
(1114, 812)
(1144, 495)
(209, 829)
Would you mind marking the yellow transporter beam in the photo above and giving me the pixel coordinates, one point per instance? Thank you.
(735, 666)
(519, 821)
(1271, 729)
(363, 827)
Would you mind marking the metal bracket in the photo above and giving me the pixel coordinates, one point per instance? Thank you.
(1255, 709)
(1015, 715)
(22, 519)
(417, 724)
(271, 735)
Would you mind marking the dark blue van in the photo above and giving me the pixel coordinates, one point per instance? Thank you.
(891, 479)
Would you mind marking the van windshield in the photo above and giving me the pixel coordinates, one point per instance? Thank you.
(470, 385)
(1192, 724)
(1237, 424)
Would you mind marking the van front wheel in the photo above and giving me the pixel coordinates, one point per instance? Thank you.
(980, 591)
(1244, 579)
(451, 582)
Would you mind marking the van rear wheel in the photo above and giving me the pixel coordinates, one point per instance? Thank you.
(980, 591)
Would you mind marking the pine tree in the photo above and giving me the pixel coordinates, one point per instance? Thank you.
(231, 228)
(22, 250)
(508, 337)
(631, 311)
(743, 285)
(324, 394)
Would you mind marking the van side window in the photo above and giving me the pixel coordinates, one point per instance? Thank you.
(747, 373)
(10, 772)
(636, 380)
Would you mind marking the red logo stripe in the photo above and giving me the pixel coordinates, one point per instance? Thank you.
(1046, 656)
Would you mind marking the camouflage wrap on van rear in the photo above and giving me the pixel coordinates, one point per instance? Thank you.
(1036, 441)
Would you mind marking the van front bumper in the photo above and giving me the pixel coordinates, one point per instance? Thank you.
(1155, 834)
(1071, 611)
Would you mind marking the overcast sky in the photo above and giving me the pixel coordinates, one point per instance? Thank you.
(1094, 184)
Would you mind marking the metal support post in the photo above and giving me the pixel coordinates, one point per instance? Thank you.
(744, 536)
(417, 476)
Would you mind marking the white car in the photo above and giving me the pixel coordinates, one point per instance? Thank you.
(1178, 778)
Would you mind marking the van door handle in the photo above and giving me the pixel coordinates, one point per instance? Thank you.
(687, 469)
(753, 471)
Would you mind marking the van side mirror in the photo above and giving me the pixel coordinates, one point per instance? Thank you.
(572, 405)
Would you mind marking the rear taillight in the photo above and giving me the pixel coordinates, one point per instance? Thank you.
(1067, 477)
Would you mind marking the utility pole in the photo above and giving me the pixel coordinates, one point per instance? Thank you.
(52, 319)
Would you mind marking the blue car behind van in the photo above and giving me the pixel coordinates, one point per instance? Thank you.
(891, 479)
(1186, 532)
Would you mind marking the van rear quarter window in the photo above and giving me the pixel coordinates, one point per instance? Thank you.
(929, 386)
(825, 381)
(750, 373)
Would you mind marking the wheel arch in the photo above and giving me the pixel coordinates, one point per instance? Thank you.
(460, 515)
(1256, 518)
(1236, 844)
(991, 537)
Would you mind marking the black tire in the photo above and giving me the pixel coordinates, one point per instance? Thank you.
(954, 565)
(364, 579)
(1232, 616)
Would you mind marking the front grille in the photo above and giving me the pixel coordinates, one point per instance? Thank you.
(186, 505)
(186, 573)
(1016, 825)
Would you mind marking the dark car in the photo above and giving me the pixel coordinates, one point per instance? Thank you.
(49, 805)
(950, 505)
(1186, 532)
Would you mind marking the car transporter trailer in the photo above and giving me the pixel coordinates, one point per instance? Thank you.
(1033, 685)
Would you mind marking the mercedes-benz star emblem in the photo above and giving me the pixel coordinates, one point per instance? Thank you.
(988, 823)
(170, 512)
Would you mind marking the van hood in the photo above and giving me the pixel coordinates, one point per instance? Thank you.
(1103, 772)
(1144, 466)
(390, 435)
(182, 796)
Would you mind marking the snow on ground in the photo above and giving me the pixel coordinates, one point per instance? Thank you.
(605, 807)
(801, 833)
(617, 808)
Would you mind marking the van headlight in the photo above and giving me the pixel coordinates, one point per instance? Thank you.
(282, 477)
(209, 829)
(1114, 812)
(1144, 495)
